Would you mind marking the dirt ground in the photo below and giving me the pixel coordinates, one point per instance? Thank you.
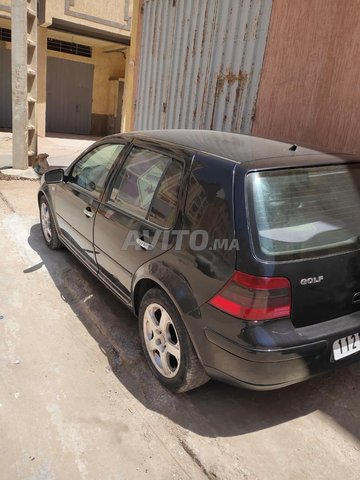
(78, 402)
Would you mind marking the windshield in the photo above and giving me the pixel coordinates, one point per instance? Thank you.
(305, 211)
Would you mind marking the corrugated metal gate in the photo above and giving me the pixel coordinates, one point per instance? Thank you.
(68, 96)
(5, 88)
(200, 63)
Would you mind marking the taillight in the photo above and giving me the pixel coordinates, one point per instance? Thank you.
(254, 298)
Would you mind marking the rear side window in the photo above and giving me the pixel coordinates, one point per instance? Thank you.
(304, 212)
(165, 204)
(135, 186)
(209, 217)
(148, 186)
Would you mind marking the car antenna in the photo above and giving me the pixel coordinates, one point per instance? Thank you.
(293, 147)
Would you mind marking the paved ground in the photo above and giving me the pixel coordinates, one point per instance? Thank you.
(78, 402)
(62, 150)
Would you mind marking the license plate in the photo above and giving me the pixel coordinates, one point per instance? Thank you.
(346, 346)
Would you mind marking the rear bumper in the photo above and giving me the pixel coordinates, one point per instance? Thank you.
(269, 355)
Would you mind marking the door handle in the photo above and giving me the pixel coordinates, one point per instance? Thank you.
(356, 298)
(144, 245)
(88, 212)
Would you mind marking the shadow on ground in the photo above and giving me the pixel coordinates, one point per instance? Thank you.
(73, 136)
(214, 410)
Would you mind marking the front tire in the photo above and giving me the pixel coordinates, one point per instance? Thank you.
(167, 345)
(48, 226)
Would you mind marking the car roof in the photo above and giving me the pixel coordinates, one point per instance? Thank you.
(237, 147)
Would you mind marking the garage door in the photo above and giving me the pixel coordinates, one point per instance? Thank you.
(5, 88)
(68, 96)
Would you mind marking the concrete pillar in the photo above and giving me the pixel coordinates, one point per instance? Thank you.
(24, 81)
(19, 83)
(32, 77)
(41, 80)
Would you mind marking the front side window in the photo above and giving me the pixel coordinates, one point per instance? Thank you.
(138, 179)
(91, 170)
(305, 212)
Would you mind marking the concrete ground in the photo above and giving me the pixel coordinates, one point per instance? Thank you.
(78, 402)
(62, 149)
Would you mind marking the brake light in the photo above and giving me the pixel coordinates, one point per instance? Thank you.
(254, 298)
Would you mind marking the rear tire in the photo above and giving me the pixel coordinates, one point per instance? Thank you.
(167, 345)
(48, 226)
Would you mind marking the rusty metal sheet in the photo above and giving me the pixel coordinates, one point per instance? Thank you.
(200, 63)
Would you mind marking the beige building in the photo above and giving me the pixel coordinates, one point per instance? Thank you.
(82, 53)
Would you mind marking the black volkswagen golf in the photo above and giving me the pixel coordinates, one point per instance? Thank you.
(239, 255)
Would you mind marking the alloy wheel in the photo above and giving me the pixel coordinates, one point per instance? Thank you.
(161, 340)
(46, 222)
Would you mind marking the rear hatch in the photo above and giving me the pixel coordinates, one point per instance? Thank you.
(305, 226)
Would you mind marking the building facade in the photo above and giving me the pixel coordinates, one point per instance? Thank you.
(82, 51)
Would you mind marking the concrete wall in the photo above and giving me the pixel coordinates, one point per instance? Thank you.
(309, 89)
(110, 15)
(5, 7)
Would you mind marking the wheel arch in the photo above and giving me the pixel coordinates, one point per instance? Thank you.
(173, 283)
(44, 194)
(140, 289)
(39, 195)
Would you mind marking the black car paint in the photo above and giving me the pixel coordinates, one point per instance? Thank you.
(77, 229)
(259, 355)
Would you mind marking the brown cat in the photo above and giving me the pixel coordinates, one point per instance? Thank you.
(40, 164)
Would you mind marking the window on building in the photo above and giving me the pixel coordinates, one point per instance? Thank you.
(5, 34)
(69, 47)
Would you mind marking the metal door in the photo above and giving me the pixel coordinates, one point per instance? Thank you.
(68, 96)
(122, 237)
(5, 88)
(76, 200)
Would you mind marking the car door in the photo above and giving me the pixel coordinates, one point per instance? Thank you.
(77, 199)
(134, 221)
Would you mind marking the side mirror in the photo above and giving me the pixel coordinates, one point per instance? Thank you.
(54, 176)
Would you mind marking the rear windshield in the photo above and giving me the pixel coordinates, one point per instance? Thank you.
(305, 212)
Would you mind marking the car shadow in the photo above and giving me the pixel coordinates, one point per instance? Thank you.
(214, 410)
